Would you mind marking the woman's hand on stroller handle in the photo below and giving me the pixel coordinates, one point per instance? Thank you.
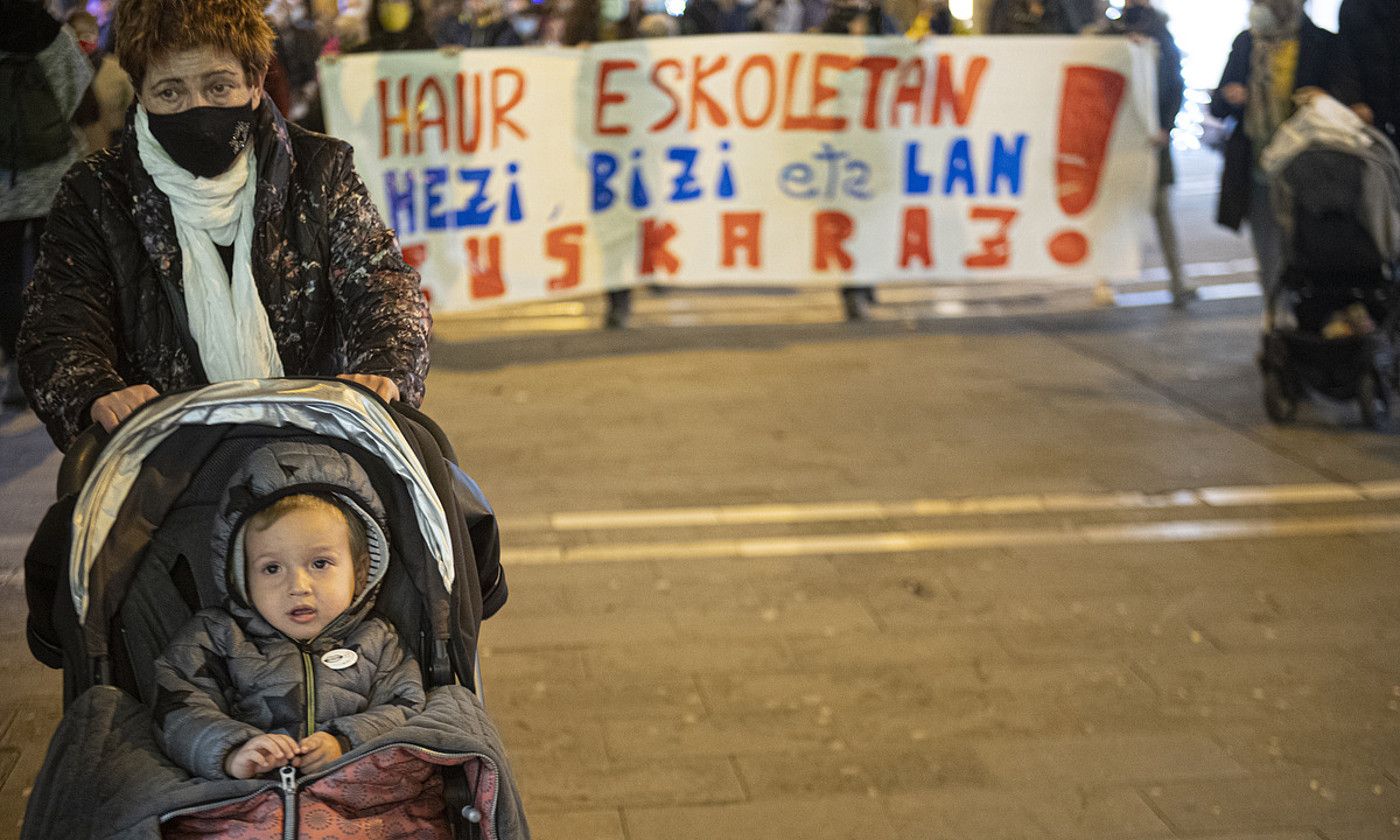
(381, 385)
(110, 410)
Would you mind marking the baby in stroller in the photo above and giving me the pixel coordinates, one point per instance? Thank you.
(231, 669)
(292, 669)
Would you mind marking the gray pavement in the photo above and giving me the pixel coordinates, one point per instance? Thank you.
(1049, 574)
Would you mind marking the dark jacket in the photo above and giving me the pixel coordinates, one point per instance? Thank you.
(1371, 30)
(106, 310)
(229, 676)
(1061, 17)
(1323, 62)
(1171, 87)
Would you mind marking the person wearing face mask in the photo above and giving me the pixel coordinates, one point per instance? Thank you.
(1282, 57)
(395, 25)
(215, 242)
(43, 74)
(482, 23)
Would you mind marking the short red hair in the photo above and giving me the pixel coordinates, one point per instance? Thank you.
(149, 30)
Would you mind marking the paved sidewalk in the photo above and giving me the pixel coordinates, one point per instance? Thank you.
(1047, 575)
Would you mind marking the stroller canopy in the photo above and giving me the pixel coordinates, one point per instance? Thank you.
(320, 407)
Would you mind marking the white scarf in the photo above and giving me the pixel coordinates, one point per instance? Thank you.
(227, 320)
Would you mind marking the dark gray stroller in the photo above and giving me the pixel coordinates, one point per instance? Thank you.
(1339, 206)
(112, 574)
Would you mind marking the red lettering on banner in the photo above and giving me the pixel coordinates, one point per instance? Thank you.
(430, 85)
(675, 113)
(415, 255)
(790, 121)
(699, 96)
(499, 109)
(400, 119)
(464, 143)
(606, 97)
(909, 91)
(832, 228)
(821, 94)
(960, 100)
(917, 242)
(655, 239)
(742, 230)
(771, 87)
(563, 243)
(996, 249)
(877, 66)
(485, 276)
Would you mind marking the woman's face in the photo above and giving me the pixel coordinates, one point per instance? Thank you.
(197, 78)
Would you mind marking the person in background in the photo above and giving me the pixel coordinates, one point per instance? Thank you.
(43, 75)
(395, 25)
(1282, 55)
(1042, 17)
(299, 43)
(1140, 21)
(102, 113)
(1371, 30)
(857, 19)
(932, 18)
(215, 242)
(480, 23)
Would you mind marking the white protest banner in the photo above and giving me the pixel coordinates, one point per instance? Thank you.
(524, 174)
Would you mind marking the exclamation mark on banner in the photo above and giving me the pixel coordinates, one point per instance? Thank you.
(1088, 109)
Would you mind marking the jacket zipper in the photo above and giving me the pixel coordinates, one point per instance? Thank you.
(309, 672)
(289, 802)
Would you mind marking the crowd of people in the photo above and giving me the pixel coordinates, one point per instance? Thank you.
(85, 104)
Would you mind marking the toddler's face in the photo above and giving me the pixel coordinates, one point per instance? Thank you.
(300, 573)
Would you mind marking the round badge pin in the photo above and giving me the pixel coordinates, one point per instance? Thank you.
(339, 659)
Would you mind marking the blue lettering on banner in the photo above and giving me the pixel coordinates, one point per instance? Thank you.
(684, 187)
(400, 201)
(689, 173)
(959, 169)
(836, 173)
(428, 194)
(1005, 168)
(477, 211)
(432, 179)
(1007, 164)
(603, 166)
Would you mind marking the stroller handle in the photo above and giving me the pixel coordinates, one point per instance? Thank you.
(80, 458)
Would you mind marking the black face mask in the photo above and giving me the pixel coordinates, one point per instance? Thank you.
(206, 140)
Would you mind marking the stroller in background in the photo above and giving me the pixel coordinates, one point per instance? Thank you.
(1336, 189)
(148, 500)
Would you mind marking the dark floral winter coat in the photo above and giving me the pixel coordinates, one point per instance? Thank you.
(105, 308)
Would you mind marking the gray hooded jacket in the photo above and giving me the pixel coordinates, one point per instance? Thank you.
(229, 676)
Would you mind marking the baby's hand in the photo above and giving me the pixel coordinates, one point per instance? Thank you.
(317, 750)
(259, 755)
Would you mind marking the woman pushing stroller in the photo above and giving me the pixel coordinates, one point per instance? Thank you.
(231, 244)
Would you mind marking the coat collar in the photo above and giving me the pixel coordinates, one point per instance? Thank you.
(151, 207)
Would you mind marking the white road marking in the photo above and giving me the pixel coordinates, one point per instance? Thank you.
(1265, 495)
(891, 542)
